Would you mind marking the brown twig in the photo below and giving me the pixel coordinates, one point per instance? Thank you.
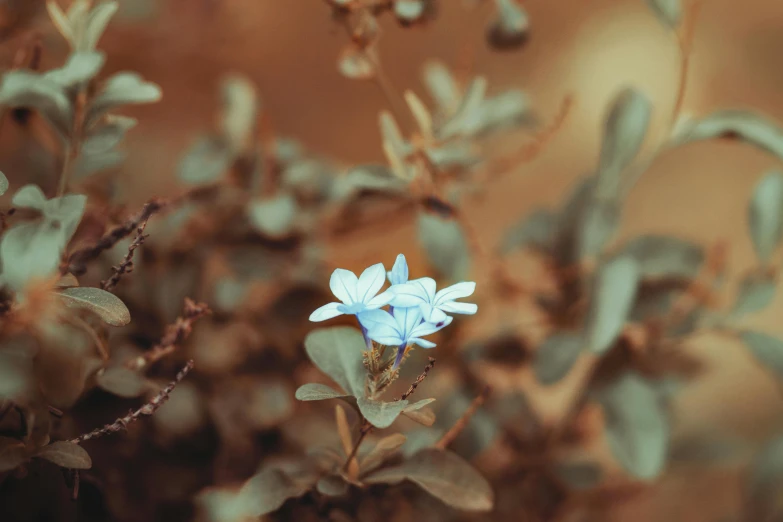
(148, 409)
(175, 334)
(77, 262)
(419, 379)
(126, 266)
(455, 430)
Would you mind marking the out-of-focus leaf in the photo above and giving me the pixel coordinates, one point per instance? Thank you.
(15, 370)
(107, 306)
(121, 381)
(96, 22)
(443, 475)
(765, 481)
(664, 256)
(765, 215)
(380, 414)
(12, 454)
(511, 27)
(273, 217)
(712, 448)
(29, 252)
(556, 356)
(354, 63)
(385, 447)
(445, 245)
(637, 426)
(266, 491)
(80, 68)
(89, 164)
(183, 414)
(409, 10)
(240, 111)
(507, 109)
(205, 161)
(419, 412)
(734, 124)
(269, 403)
(466, 120)
(3, 184)
(317, 392)
(536, 230)
(30, 196)
(367, 177)
(107, 134)
(66, 454)
(124, 88)
(441, 86)
(20, 88)
(612, 297)
(669, 12)
(756, 292)
(338, 352)
(580, 475)
(569, 220)
(599, 223)
(766, 349)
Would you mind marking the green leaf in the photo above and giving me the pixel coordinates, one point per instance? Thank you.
(733, 124)
(445, 246)
(337, 352)
(765, 481)
(96, 22)
(443, 475)
(317, 392)
(385, 447)
(624, 130)
(637, 426)
(262, 494)
(556, 356)
(765, 215)
(29, 251)
(374, 178)
(273, 217)
(419, 412)
(332, 486)
(80, 68)
(442, 86)
(511, 27)
(20, 88)
(354, 63)
(756, 292)
(380, 414)
(611, 300)
(106, 135)
(766, 349)
(29, 196)
(664, 256)
(124, 88)
(205, 161)
(3, 184)
(121, 381)
(597, 227)
(669, 12)
(66, 454)
(465, 121)
(535, 231)
(12, 454)
(240, 111)
(107, 306)
(409, 10)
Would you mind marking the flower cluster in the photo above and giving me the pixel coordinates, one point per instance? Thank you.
(416, 308)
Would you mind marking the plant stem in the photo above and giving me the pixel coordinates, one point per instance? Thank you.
(365, 430)
(455, 430)
(74, 142)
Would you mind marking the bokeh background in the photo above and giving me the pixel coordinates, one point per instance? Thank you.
(585, 49)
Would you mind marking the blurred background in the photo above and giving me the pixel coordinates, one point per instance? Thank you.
(584, 49)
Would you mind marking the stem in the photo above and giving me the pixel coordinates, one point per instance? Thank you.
(685, 42)
(455, 430)
(74, 143)
(366, 429)
(386, 87)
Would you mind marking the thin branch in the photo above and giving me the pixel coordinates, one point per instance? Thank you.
(455, 430)
(148, 409)
(77, 262)
(685, 42)
(175, 334)
(126, 266)
(419, 379)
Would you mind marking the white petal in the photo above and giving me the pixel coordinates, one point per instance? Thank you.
(423, 343)
(399, 272)
(429, 328)
(343, 284)
(413, 293)
(327, 311)
(380, 300)
(455, 307)
(381, 327)
(370, 282)
(456, 291)
(431, 314)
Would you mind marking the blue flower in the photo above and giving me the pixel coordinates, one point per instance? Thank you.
(399, 272)
(400, 328)
(434, 305)
(357, 294)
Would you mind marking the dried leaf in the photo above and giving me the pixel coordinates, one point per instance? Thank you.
(107, 306)
(637, 426)
(380, 414)
(385, 447)
(338, 352)
(556, 356)
(612, 297)
(65, 454)
(442, 474)
(424, 416)
(765, 215)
